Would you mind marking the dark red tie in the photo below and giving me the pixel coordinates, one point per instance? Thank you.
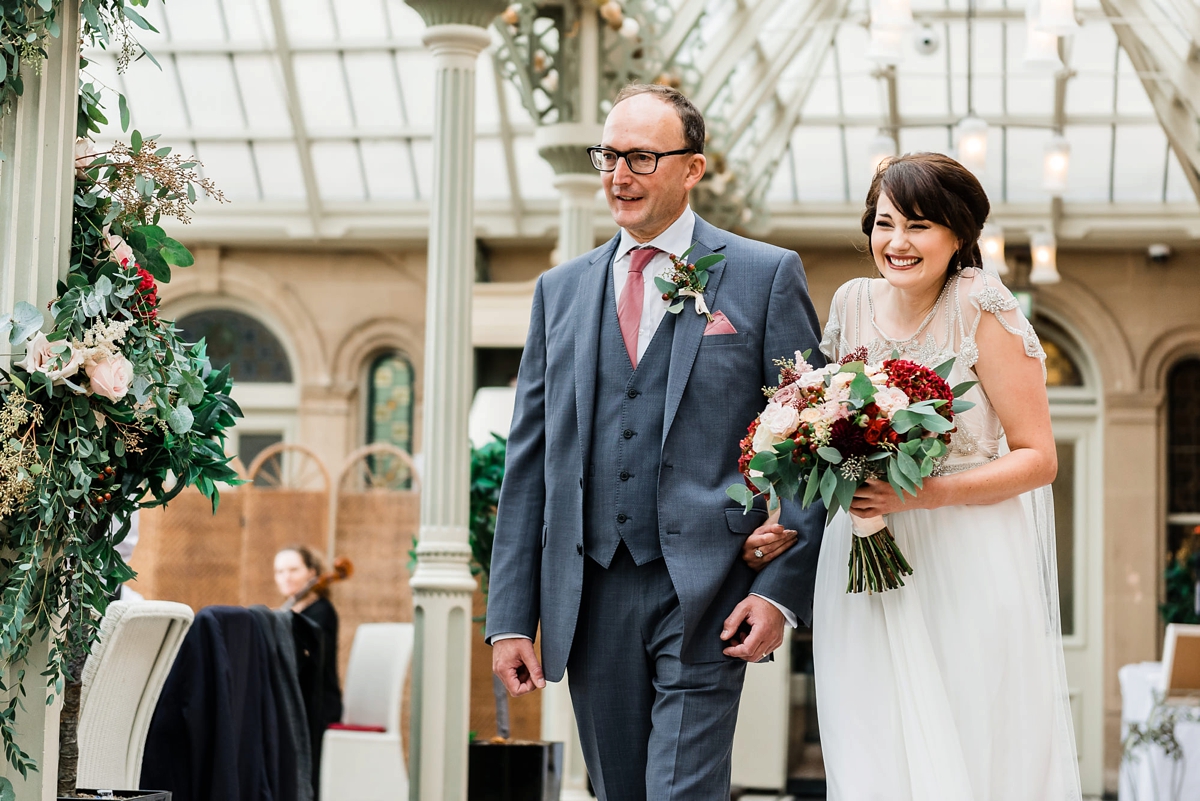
(629, 307)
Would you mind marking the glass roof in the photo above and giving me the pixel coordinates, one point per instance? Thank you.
(355, 145)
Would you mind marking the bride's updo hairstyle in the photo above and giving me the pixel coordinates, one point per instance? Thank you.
(937, 189)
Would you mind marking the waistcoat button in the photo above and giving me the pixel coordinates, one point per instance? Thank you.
(633, 393)
(621, 518)
(624, 475)
(627, 434)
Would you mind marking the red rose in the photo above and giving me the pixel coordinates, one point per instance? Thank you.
(876, 432)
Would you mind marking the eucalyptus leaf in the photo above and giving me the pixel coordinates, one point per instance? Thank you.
(829, 482)
(742, 494)
(180, 419)
(959, 389)
(27, 320)
(664, 286)
(810, 487)
(944, 368)
(675, 308)
(764, 461)
(831, 455)
(123, 106)
(709, 261)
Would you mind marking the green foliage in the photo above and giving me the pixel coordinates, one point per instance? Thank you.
(487, 473)
(1180, 578)
(27, 26)
(82, 451)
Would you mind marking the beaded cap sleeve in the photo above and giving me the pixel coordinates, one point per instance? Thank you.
(947, 332)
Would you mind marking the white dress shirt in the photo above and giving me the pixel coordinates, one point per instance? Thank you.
(675, 240)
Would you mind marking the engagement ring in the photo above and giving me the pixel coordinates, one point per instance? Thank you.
(758, 553)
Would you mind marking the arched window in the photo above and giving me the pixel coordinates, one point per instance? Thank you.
(390, 401)
(254, 354)
(1183, 492)
(262, 377)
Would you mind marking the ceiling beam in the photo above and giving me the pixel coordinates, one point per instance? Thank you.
(296, 113)
(1175, 97)
(683, 21)
(737, 37)
(510, 154)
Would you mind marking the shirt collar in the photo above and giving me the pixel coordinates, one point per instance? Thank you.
(676, 239)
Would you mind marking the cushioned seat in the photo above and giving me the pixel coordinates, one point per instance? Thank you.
(122, 680)
(364, 759)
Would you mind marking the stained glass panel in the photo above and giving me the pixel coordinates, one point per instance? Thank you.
(390, 404)
(253, 353)
(1183, 437)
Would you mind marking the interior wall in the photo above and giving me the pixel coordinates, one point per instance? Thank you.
(340, 307)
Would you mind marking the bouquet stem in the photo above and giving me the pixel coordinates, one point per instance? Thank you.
(876, 563)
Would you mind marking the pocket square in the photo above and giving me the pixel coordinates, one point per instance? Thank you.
(720, 325)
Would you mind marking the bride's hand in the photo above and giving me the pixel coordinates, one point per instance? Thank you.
(877, 497)
(770, 540)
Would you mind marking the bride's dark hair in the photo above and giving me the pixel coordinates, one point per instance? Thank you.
(935, 188)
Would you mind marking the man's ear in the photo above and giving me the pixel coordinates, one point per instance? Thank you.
(696, 167)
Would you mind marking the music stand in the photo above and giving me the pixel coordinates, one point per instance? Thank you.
(1181, 664)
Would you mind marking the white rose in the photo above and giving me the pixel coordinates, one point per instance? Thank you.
(764, 438)
(110, 376)
(40, 357)
(839, 389)
(813, 378)
(810, 415)
(782, 420)
(890, 400)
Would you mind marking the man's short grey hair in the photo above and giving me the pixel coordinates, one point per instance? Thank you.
(689, 115)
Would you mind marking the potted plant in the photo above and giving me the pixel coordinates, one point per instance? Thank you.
(502, 769)
(109, 410)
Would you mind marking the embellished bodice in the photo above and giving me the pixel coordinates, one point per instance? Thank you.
(948, 331)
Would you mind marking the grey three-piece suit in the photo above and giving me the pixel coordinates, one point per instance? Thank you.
(614, 530)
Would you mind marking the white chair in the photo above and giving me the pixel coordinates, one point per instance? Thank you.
(359, 765)
(122, 680)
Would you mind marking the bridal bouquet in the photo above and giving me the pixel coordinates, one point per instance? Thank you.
(831, 430)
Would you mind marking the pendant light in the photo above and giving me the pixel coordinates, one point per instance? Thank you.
(887, 46)
(1041, 47)
(971, 138)
(896, 14)
(1056, 17)
(1044, 251)
(972, 142)
(991, 245)
(1056, 162)
(882, 146)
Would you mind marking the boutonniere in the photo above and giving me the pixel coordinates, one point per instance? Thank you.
(687, 280)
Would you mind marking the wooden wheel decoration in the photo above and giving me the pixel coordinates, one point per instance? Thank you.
(379, 466)
(288, 466)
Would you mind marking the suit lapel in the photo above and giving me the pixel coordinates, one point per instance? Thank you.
(689, 328)
(588, 307)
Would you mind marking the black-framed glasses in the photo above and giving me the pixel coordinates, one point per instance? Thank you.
(641, 162)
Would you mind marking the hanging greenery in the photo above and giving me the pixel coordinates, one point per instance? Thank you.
(110, 410)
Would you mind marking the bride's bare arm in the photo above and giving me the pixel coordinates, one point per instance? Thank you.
(1016, 388)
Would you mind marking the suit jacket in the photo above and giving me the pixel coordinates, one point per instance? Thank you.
(714, 391)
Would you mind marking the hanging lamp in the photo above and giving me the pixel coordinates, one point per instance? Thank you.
(1044, 251)
(1056, 162)
(991, 245)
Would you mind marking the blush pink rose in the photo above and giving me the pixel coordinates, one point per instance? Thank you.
(110, 376)
(890, 400)
(785, 395)
(40, 357)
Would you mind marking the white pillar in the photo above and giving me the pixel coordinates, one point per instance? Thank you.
(442, 583)
(37, 138)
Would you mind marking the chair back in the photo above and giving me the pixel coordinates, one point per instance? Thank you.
(122, 680)
(374, 687)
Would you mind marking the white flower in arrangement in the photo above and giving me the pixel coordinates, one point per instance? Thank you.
(810, 415)
(839, 388)
(85, 155)
(813, 378)
(100, 341)
(613, 14)
(110, 376)
(890, 400)
(765, 439)
(780, 419)
(57, 360)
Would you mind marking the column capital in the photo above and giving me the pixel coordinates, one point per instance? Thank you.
(564, 145)
(477, 13)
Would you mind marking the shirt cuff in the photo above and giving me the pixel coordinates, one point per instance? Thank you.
(787, 615)
(495, 638)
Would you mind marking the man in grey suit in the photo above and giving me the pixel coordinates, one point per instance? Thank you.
(614, 530)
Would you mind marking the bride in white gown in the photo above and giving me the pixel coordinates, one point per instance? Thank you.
(951, 688)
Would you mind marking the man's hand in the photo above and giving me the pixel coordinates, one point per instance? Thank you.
(516, 664)
(765, 633)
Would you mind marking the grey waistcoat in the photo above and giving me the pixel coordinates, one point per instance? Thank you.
(621, 502)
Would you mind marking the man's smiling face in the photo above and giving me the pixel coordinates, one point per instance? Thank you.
(646, 205)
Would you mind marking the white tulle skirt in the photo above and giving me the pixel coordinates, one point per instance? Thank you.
(951, 688)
